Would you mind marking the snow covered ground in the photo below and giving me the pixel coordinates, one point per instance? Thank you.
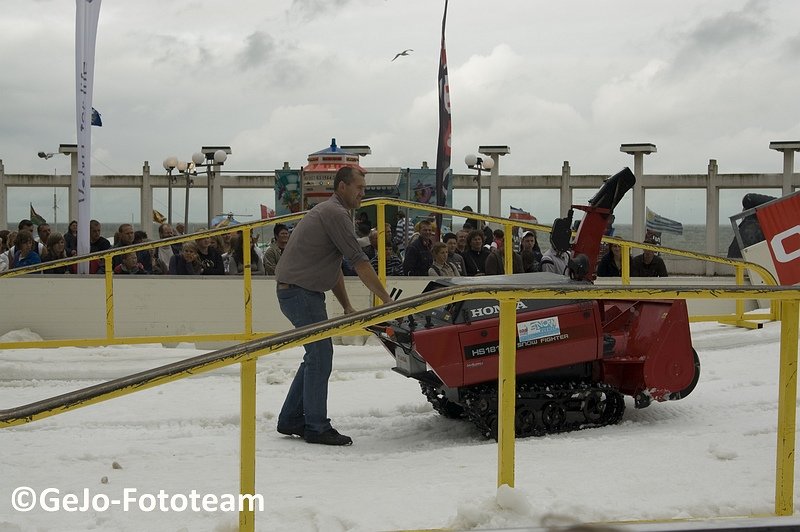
(711, 454)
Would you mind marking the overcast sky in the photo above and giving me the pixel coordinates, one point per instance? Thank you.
(276, 80)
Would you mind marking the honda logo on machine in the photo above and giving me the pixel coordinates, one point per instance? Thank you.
(482, 312)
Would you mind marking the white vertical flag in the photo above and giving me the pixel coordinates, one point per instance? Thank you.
(87, 14)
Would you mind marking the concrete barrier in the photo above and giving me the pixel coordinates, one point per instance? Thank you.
(59, 307)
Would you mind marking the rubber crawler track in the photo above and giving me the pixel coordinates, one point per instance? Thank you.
(541, 408)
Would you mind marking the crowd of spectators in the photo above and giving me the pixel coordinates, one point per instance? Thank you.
(411, 250)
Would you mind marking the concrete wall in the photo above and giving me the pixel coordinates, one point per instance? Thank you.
(56, 307)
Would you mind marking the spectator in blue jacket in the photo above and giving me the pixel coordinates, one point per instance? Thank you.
(25, 254)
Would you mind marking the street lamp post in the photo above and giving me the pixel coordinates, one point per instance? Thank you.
(188, 172)
(215, 157)
(186, 169)
(479, 163)
(170, 163)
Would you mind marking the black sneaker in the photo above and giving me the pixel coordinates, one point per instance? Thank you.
(329, 437)
(298, 430)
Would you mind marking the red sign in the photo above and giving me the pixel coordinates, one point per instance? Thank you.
(780, 223)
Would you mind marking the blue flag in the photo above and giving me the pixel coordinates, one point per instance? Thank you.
(655, 222)
(96, 120)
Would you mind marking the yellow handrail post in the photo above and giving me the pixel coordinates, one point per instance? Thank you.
(626, 264)
(247, 458)
(248, 282)
(787, 397)
(739, 302)
(508, 250)
(775, 310)
(109, 266)
(507, 392)
(381, 251)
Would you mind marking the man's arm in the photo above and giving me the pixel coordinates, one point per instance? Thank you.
(340, 292)
(370, 280)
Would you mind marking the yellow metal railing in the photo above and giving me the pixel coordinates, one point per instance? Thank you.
(247, 332)
(740, 318)
(247, 353)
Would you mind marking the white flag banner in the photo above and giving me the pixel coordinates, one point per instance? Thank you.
(87, 15)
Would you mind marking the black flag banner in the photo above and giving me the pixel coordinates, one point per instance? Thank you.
(443, 149)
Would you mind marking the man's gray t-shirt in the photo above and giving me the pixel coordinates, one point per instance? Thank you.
(313, 256)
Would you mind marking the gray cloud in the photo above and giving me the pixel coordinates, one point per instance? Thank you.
(791, 48)
(259, 47)
(720, 35)
(313, 9)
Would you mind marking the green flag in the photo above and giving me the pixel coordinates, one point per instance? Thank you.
(35, 218)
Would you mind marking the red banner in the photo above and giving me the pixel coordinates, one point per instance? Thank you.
(780, 223)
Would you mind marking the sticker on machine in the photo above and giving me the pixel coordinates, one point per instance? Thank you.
(537, 329)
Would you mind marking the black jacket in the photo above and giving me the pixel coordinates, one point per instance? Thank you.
(418, 258)
(475, 261)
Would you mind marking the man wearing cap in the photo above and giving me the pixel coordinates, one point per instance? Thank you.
(311, 264)
(648, 264)
(531, 254)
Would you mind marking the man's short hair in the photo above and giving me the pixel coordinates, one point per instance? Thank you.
(278, 228)
(23, 237)
(425, 221)
(23, 224)
(346, 174)
(449, 236)
(473, 234)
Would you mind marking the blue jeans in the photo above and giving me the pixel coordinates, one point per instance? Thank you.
(306, 403)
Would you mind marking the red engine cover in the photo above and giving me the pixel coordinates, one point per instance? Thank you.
(467, 354)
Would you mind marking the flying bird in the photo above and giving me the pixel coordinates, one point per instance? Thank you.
(404, 52)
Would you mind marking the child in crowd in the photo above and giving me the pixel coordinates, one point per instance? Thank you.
(130, 265)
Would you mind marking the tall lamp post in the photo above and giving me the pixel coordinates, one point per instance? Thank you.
(210, 158)
(170, 163)
(187, 169)
(214, 157)
(479, 163)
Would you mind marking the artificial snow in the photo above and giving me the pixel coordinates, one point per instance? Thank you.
(711, 454)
